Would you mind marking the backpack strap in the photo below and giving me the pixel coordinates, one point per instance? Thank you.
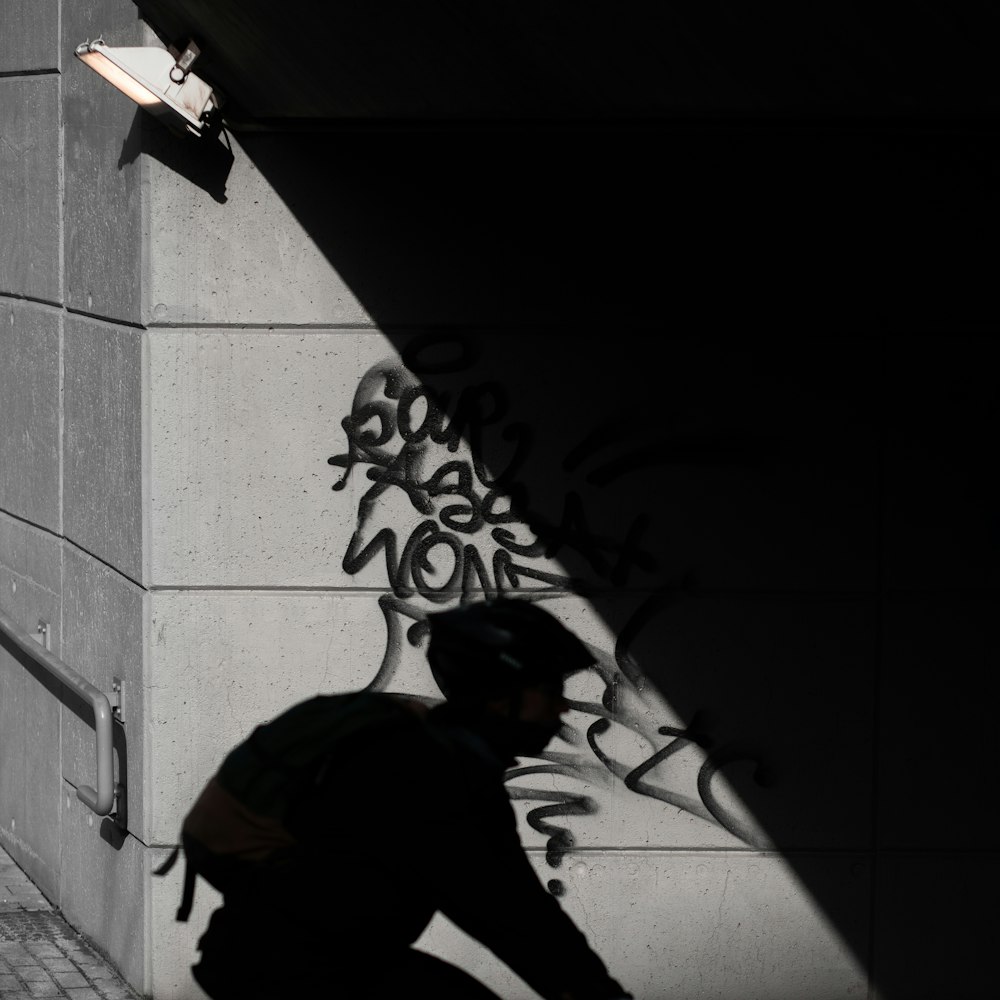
(187, 893)
(169, 863)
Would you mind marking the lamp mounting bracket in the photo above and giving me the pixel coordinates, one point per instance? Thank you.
(185, 60)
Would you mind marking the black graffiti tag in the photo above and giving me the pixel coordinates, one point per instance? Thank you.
(476, 533)
(393, 429)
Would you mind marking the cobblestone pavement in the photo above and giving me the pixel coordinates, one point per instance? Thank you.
(41, 955)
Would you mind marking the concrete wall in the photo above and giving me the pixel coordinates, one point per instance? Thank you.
(749, 510)
(71, 471)
(30, 428)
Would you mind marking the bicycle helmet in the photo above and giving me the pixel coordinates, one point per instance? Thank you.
(494, 648)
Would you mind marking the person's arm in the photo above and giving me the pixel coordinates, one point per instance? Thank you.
(487, 887)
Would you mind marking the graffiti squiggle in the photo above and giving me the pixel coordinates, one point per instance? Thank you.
(471, 540)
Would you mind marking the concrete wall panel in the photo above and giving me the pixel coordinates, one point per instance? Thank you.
(734, 736)
(30, 707)
(103, 627)
(941, 495)
(29, 39)
(731, 497)
(30, 260)
(231, 507)
(104, 887)
(30, 413)
(226, 250)
(103, 442)
(222, 663)
(935, 926)
(103, 249)
(721, 925)
(175, 944)
(928, 789)
(740, 463)
(770, 777)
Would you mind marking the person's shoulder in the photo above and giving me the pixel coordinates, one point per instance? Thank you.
(394, 720)
(410, 704)
(388, 709)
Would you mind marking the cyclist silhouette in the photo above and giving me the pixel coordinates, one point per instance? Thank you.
(402, 813)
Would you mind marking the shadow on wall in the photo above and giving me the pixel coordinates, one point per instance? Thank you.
(769, 228)
(651, 365)
(206, 164)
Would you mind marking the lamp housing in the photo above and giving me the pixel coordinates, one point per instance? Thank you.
(149, 76)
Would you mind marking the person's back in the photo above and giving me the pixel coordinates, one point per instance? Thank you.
(406, 818)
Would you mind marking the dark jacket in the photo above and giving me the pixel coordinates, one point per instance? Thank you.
(407, 820)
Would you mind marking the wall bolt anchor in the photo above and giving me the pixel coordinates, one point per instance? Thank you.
(116, 699)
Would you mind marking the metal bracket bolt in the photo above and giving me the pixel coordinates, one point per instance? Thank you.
(115, 698)
(185, 60)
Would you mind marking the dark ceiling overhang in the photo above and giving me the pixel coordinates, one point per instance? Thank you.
(297, 63)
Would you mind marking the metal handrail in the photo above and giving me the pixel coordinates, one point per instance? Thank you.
(101, 801)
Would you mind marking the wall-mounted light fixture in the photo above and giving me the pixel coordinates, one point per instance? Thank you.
(157, 80)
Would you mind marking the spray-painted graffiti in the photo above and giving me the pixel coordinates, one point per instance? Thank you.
(398, 428)
(423, 451)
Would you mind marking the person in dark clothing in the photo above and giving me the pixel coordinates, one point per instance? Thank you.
(405, 815)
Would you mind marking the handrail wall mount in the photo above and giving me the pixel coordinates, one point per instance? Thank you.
(104, 800)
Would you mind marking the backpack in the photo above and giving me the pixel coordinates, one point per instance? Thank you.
(240, 819)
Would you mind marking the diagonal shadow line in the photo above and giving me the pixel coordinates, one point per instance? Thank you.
(451, 234)
(472, 230)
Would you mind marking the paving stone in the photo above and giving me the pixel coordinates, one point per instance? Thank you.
(40, 954)
(20, 959)
(33, 974)
(25, 972)
(113, 990)
(78, 954)
(43, 948)
(23, 889)
(44, 990)
(94, 971)
(69, 979)
(56, 963)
